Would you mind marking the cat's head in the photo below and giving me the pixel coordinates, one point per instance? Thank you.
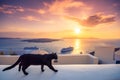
(54, 56)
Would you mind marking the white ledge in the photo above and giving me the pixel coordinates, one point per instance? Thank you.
(65, 72)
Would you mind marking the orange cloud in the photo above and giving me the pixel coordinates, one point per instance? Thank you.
(39, 11)
(59, 7)
(93, 20)
(30, 18)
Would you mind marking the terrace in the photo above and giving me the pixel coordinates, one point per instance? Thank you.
(70, 67)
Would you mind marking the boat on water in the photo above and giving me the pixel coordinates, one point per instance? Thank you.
(68, 49)
(31, 48)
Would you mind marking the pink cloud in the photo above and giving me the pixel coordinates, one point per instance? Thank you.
(60, 8)
(9, 9)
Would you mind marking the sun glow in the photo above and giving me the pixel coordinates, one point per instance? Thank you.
(77, 30)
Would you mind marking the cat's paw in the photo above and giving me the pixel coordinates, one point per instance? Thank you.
(26, 73)
(43, 70)
(19, 70)
(55, 70)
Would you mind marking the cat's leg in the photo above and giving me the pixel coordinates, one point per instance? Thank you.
(42, 68)
(52, 68)
(24, 67)
(20, 65)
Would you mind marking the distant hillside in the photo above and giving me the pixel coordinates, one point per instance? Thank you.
(41, 40)
(8, 38)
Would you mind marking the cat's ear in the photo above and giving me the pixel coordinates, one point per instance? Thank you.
(52, 53)
(55, 53)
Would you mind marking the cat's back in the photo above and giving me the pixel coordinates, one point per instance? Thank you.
(31, 55)
(33, 58)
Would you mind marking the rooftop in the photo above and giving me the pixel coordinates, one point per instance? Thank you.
(65, 72)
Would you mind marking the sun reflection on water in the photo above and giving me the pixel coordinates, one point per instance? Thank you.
(77, 46)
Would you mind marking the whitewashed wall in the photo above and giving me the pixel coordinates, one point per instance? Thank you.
(62, 59)
(105, 54)
(117, 55)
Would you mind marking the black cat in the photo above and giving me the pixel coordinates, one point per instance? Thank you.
(26, 60)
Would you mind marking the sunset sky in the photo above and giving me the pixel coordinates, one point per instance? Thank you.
(60, 19)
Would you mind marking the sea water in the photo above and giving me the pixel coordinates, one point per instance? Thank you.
(80, 45)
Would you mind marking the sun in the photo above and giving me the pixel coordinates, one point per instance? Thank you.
(77, 30)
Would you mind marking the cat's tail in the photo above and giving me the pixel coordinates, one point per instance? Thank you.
(12, 66)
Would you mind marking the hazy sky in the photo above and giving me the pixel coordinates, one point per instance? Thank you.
(60, 18)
